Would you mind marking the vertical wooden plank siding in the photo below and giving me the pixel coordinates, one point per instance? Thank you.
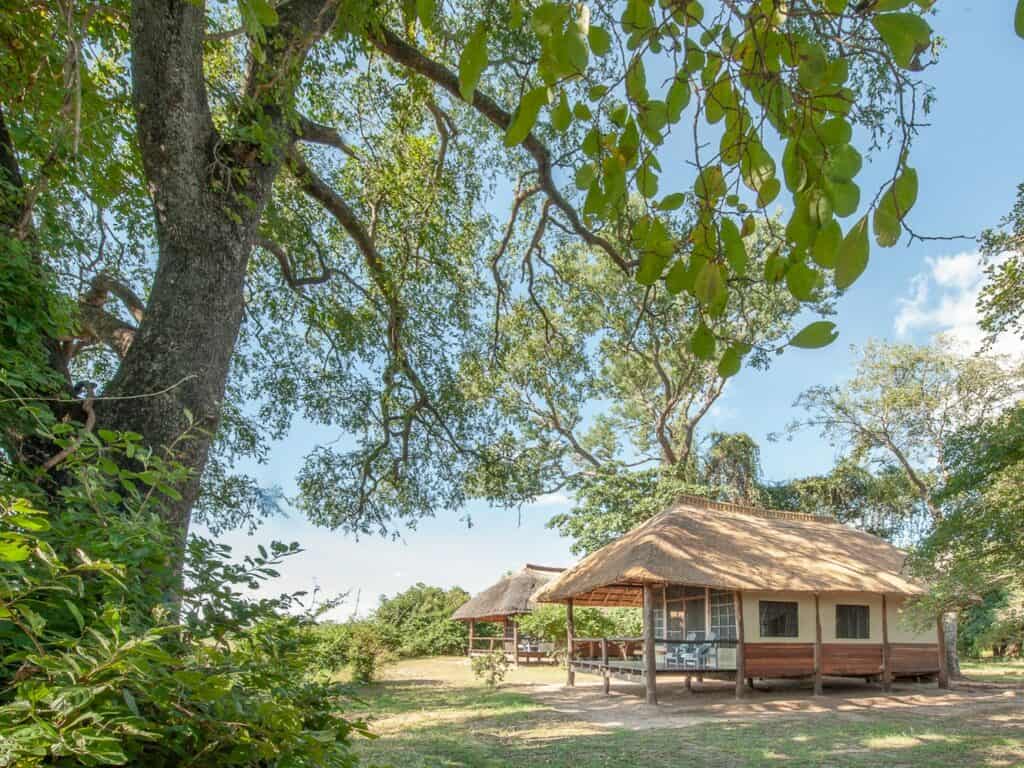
(817, 646)
(886, 650)
(943, 662)
(737, 598)
(570, 632)
(515, 640)
(650, 662)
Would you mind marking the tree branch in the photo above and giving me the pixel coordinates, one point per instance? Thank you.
(397, 49)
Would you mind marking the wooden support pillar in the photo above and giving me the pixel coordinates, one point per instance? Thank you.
(604, 665)
(515, 641)
(943, 661)
(741, 662)
(472, 627)
(650, 661)
(570, 632)
(817, 647)
(886, 650)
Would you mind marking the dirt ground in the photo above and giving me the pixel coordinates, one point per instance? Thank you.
(716, 701)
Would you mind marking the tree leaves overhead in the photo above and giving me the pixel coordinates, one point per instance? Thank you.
(852, 258)
(906, 34)
(472, 62)
(897, 201)
(816, 335)
(1018, 19)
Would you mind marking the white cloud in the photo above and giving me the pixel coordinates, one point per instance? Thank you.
(943, 299)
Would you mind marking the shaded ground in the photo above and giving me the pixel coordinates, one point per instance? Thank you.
(433, 713)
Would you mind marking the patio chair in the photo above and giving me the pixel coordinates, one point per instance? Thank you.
(689, 656)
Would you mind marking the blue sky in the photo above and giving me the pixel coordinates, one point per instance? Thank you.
(970, 161)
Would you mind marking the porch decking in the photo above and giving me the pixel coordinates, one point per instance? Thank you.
(622, 658)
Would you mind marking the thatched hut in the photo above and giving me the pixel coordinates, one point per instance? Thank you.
(503, 603)
(730, 590)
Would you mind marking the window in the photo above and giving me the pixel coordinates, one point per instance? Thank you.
(852, 622)
(778, 619)
(723, 615)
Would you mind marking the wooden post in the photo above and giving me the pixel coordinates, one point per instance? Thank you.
(886, 651)
(817, 647)
(570, 631)
(737, 600)
(650, 661)
(943, 661)
(515, 641)
(472, 626)
(707, 612)
(604, 665)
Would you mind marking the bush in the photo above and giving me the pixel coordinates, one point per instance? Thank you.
(417, 622)
(491, 668)
(365, 651)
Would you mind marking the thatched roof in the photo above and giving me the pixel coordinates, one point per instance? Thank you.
(731, 546)
(509, 596)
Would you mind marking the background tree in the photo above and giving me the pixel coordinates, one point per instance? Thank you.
(417, 622)
(1001, 298)
(902, 408)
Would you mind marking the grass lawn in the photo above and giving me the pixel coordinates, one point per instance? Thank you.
(994, 670)
(433, 713)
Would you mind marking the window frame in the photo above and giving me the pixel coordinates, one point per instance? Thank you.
(856, 623)
(761, 604)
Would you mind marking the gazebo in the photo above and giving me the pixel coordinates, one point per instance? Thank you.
(502, 603)
(739, 592)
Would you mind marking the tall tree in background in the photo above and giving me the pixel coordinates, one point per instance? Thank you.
(1001, 301)
(902, 408)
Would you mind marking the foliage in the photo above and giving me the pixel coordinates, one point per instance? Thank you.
(547, 622)
(106, 659)
(417, 622)
(614, 500)
(1001, 299)
(365, 651)
(882, 502)
(979, 544)
(904, 404)
(490, 667)
(994, 624)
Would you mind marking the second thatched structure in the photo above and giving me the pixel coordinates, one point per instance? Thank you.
(503, 603)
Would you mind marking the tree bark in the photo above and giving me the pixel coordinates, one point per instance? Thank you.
(208, 197)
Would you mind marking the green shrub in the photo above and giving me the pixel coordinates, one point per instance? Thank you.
(491, 668)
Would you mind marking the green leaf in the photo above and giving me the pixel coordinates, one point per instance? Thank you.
(893, 208)
(735, 250)
(425, 12)
(677, 98)
(585, 176)
(826, 244)
(802, 281)
(730, 363)
(13, 547)
(672, 202)
(768, 192)
(702, 343)
(816, 335)
(1018, 19)
(526, 115)
(710, 184)
(600, 40)
(472, 63)
(651, 266)
(677, 278)
(906, 34)
(852, 258)
(844, 163)
(561, 115)
(845, 198)
(264, 12)
(709, 284)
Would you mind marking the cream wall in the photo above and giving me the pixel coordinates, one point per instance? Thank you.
(899, 629)
(804, 616)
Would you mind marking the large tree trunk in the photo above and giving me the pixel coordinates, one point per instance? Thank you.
(949, 623)
(175, 372)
